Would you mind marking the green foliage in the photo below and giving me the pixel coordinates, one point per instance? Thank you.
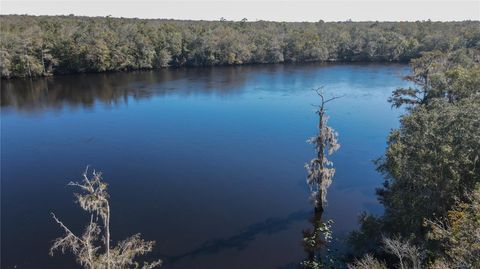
(45, 45)
(459, 233)
(432, 165)
(367, 238)
(450, 76)
(431, 161)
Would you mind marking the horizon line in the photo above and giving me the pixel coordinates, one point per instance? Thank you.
(232, 20)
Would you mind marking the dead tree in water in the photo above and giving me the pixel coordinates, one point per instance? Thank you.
(94, 200)
(320, 174)
(320, 169)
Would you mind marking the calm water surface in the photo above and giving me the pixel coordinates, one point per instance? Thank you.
(209, 162)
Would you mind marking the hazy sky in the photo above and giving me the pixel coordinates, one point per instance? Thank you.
(327, 10)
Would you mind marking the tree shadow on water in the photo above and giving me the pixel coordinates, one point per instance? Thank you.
(244, 238)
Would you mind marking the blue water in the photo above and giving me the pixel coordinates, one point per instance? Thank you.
(208, 162)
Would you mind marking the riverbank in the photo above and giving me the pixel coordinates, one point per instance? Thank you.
(32, 46)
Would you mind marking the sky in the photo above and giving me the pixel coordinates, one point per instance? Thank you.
(303, 10)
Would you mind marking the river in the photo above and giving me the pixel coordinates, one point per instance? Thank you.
(208, 162)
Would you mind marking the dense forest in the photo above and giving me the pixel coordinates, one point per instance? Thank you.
(45, 45)
(431, 166)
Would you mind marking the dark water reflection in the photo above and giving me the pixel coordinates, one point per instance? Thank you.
(207, 162)
(117, 88)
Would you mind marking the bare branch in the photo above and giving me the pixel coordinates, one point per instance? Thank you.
(333, 98)
(94, 199)
(65, 227)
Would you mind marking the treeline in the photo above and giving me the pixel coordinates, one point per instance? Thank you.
(431, 192)
(45, 45)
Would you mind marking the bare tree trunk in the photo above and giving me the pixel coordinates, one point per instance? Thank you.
(319, 179)
(401, 262)
(26, 59)
(107, 234)
(43, 63)
(90, 256)
(320, 156)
